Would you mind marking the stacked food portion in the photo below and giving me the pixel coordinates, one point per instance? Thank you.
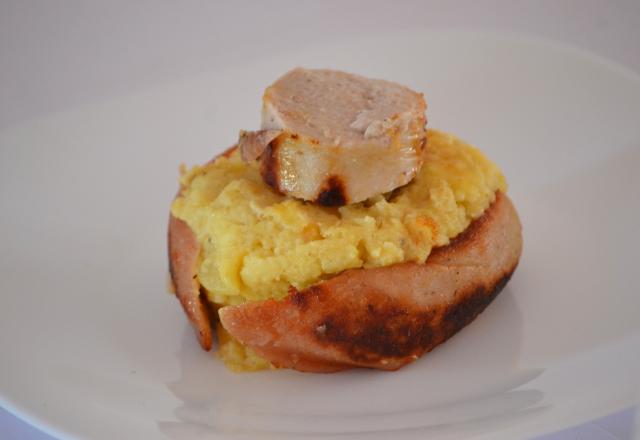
(342, 233)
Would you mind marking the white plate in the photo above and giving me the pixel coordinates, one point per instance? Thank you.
(93, 347)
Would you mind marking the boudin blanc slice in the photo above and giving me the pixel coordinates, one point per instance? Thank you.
(335, 138)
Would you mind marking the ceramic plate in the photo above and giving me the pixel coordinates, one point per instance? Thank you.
(93, 346)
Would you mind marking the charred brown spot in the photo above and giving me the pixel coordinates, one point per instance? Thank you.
(333, 193)
(269, 166)
(381, 329)
(466, 310)
(385, 328)
(294, 137)
(304, 298)
(297, 298)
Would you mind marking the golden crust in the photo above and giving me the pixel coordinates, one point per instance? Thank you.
(377, 318)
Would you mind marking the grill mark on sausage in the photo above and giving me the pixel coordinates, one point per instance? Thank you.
(332, 193)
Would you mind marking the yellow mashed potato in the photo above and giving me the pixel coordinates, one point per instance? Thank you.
(256, 243)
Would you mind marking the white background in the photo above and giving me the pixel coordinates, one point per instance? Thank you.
(55, 56)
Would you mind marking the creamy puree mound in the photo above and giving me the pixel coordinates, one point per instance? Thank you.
(256, 243)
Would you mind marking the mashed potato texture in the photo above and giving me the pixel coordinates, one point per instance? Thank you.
(256, 243)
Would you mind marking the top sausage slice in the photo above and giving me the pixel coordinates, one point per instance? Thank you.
(335, 138)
